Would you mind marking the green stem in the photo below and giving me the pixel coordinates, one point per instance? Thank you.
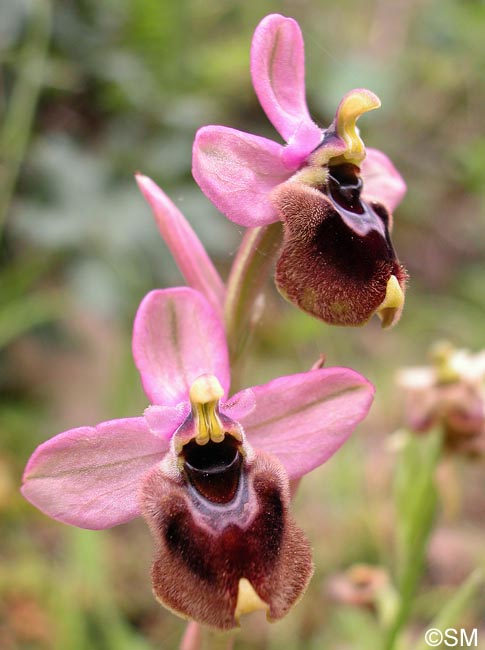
(417, 503)
(17, 123)
(248, 274)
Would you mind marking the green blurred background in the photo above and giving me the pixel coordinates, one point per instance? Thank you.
(92, 91)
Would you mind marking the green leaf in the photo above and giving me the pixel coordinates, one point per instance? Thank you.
(450, 615)
(17, 122)
(21, 275)
(21, 315)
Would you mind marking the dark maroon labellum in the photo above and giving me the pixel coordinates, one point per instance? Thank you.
(203, 549)
(214, 469)
(337, 257)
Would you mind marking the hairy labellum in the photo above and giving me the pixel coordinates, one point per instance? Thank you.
(337, 261)
(222, 530)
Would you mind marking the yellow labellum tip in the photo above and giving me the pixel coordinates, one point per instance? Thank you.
(392, 303)
(248, 600)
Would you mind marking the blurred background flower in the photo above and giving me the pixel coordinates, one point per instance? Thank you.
(92, 92)
(449, 394)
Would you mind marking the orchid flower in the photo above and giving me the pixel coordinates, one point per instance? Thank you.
(333, 196)
(209, 472)
(449, 394)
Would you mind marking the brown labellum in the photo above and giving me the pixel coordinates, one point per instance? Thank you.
(337, 256)
(220, 524)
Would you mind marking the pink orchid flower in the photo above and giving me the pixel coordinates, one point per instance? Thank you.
(333, 196)
(208, 472)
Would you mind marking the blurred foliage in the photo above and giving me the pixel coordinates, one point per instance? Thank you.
(91, 92)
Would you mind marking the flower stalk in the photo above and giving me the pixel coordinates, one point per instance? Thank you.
(200, 637)
(416, 501)
(244, 295)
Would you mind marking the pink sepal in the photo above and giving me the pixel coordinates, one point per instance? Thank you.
(237, 171)
(90, 476)
(382, 182)
(186, 248)
(177, 337)
(278, 74)
(304, 419)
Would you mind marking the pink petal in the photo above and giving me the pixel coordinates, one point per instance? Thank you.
(237, 171)
(164, 420)
(382, 182)
(89, 477)
(300, 145)
(177, 337)
(186, 248)
(240, 405)
(278, 73)
(304, 419)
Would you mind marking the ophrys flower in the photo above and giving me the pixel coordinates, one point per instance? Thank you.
(333, 196)
(209, 472)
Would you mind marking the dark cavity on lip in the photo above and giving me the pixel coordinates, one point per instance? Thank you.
(214, 469)
(345, 186)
